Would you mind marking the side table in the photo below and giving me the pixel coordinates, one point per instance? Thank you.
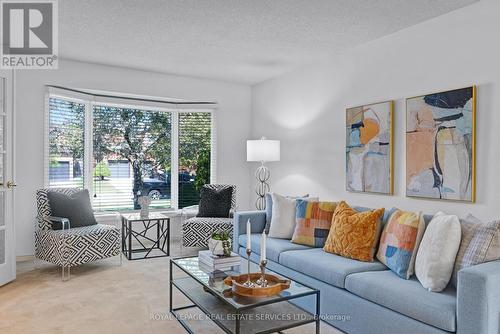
(136, 227)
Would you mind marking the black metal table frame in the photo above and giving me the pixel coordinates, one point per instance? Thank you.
(162, 234)
(173, 311)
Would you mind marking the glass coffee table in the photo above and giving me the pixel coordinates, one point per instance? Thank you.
(206, 290)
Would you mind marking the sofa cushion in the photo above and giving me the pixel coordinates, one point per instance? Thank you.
(196, 231)
(326, 267)
(388, 213)
(354, 234)
(274, 246)
(81, 244)
(407, 297)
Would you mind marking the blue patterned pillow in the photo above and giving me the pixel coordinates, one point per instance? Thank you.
(399, 242)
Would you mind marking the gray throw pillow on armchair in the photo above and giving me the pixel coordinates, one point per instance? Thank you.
(215, 203)
(76, 208)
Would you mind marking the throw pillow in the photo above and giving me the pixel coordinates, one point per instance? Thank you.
(283, 217)
(469, 226)
(76, 208)
(269, 208)
(354, 234)
(484, 246)
(399, 242)
(215, 203)
(437, 252)
(312, 222)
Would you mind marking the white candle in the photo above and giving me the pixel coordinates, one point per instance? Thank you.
(263, 247)
(249, 233)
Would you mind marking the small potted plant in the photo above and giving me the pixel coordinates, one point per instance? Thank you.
(220, 243)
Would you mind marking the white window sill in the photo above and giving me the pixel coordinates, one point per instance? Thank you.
(109, 215)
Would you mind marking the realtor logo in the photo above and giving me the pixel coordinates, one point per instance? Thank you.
(29, 34)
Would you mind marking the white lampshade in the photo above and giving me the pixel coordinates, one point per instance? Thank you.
(263, 150)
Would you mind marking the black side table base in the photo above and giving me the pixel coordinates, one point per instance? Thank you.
(162, 226)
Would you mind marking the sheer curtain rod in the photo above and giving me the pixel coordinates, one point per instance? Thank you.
(133, 98)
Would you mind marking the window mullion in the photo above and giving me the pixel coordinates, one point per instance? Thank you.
(46, 139)
(174, 173)
(87, 152)
(213, 148)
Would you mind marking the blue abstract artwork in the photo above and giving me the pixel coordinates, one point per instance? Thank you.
(369, 148)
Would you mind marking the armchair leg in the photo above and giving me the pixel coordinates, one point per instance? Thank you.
(121, 258)
(36, 263)
(65, 273)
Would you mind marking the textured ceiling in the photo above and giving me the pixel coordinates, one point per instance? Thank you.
(234, 40)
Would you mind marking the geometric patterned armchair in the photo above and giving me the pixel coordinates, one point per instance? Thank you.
(196, 231)
(71, 246)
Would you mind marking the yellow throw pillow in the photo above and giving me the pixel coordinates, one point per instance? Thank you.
(354, 234)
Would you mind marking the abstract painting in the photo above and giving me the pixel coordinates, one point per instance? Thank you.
(369, 148)
(440, 153)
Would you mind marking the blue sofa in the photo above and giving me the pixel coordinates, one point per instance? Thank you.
(361, 297)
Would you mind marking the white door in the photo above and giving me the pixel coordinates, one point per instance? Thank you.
(7, 186)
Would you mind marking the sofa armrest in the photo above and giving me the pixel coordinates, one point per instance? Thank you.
(257, 221)
(478, 299)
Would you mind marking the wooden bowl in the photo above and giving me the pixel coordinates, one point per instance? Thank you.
(274, 285)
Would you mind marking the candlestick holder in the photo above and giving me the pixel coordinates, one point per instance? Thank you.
(262, 281)
(248, 282)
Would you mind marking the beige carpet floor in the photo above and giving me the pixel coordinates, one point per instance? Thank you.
(102, 297)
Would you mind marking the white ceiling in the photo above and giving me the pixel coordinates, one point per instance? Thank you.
(234, 40)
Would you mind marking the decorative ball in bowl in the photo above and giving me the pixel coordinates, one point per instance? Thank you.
(220, 244)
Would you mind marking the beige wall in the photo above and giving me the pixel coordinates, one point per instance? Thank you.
(305, 109)
(233, 125)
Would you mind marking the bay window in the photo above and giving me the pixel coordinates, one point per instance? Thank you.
(194, 154)
(66, 143)
(122, 151)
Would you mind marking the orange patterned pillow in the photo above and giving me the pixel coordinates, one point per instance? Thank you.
(354, 234)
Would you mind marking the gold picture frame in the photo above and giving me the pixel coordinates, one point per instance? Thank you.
(360, 182)
(418, 148)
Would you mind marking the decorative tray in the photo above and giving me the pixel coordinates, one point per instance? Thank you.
(274, 285)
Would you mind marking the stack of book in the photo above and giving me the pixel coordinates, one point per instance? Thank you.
(213, 262)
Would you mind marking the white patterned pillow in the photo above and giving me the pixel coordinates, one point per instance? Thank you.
(484, 246)
(469, 226)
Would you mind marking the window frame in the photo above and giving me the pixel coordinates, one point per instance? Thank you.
(90, 100)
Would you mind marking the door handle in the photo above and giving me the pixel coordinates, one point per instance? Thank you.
(11, 185)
